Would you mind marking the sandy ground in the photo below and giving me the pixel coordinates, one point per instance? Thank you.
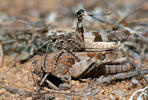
(20, 75)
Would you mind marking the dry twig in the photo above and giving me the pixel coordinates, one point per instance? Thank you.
(1, 55)
(120, 76)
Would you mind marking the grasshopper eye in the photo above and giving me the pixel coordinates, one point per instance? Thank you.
(80, 12)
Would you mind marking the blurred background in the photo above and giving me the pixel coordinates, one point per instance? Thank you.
(18, 16)
(64, 10)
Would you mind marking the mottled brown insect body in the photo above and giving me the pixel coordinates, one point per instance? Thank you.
(87, 54)
(92, 64)
(108, 69)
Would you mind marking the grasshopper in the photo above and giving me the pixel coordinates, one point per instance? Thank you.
(95, 56)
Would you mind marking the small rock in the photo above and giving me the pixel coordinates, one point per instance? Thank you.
(47, 97)
(112, 97)
(94, 92)
(134, 82)
(2, 91)
(64, 86)
(119, 92)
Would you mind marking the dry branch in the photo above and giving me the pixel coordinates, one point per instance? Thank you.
(1, 55)
(18, 91)
(120, 76)
(26, 93)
